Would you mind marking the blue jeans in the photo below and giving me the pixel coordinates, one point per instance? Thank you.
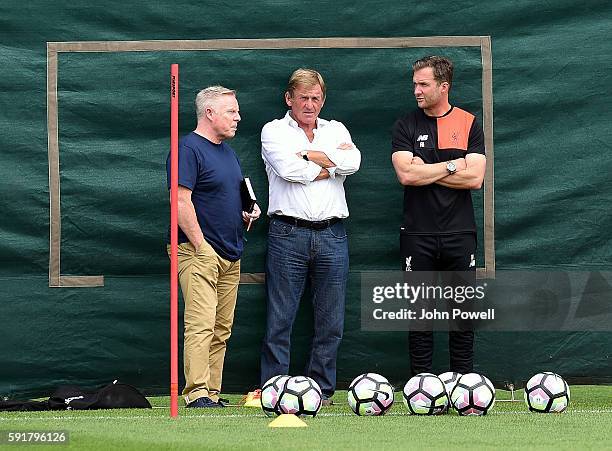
(294, 255)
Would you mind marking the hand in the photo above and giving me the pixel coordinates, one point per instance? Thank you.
(197, 246)
(417, 160)
(346, 146)
(460, 163)
(323, 174)
(248, 218)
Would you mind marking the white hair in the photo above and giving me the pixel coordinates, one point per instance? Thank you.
(207, 98)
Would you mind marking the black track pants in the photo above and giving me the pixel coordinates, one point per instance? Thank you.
(439, 253)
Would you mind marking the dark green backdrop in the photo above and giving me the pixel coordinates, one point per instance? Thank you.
(551, 78)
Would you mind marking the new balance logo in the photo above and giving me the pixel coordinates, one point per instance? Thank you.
(422, 138)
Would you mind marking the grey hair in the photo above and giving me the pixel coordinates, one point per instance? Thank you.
(207, 98)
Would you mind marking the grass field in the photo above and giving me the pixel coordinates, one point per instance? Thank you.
(587, 424)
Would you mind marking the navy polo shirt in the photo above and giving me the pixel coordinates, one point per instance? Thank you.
(212, 172)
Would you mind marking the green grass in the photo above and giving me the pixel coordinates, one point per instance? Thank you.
(587, 424)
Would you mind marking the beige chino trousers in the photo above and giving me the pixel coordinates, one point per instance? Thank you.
(210, 286)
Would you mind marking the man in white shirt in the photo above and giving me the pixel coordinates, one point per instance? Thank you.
(307, 160)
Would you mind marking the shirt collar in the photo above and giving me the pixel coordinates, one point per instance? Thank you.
(293, 123)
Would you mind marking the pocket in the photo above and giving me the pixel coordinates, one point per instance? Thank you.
(338, 231)
(184, 249)
(204, 249)
(280, 228)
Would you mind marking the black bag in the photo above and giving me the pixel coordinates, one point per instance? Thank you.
(112, 396)
(23, 406)
(67, 397)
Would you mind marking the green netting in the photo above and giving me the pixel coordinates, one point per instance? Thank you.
(551, 73)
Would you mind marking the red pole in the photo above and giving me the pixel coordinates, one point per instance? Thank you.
(174, 92)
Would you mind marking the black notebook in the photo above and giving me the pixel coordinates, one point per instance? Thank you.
(248, 195)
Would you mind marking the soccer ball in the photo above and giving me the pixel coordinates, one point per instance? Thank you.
(424, 394)
(474, 394)
(449, 379)
(270, 393)
(370, 394)
(301, 396)
(547, 392)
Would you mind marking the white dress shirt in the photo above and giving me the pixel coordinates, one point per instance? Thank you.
(293, 190)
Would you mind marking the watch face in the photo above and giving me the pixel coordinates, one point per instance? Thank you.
(451, 167)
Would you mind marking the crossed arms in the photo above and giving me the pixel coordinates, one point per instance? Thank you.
(328, 167)
(413, 171)
(334, 159)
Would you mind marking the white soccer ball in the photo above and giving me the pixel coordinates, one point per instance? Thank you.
(547, 392)
(449, 379)
(370, 394)
(424, 394)
(473, 394)
(301, 396)
(270, 394)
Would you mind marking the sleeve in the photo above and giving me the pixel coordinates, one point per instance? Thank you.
(347, 161)
(476, 138)
(402, 138)
(187, 167)
(282, 161)
(238, 161)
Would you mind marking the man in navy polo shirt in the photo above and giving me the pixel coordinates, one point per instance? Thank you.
(211, 222)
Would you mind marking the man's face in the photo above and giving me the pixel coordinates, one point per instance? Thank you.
(427, 92)
(305, 103)
(225, 117)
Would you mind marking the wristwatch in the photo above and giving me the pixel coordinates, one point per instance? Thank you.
(451, 167)
(304, 154)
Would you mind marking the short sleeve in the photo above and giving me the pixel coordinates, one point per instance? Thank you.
(237, 159)
(402, 138)
(476, 138)
(187, 168)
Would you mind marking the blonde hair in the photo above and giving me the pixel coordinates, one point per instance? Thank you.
(207, 98)
(306, 77)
